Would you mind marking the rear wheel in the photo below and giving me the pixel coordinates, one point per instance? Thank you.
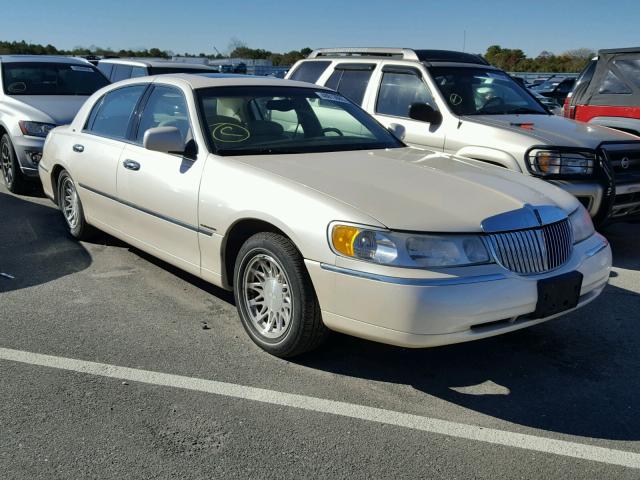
(71, 207)
(11, 173)
(275, 298)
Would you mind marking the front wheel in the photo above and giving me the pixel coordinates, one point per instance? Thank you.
(71, 207)
(11, 173)
(275, 298)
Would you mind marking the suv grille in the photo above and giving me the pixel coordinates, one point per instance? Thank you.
(535, 250)
(625, 160)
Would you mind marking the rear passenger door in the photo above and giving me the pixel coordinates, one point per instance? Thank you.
(399, 87)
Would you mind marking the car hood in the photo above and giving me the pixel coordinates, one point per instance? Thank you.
(58, 109)
(409, 189)
(553, 130)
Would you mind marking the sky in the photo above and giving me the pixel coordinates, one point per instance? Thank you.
(281, 25)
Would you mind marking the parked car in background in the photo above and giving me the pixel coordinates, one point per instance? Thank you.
(607, 92)
(116, 69)
(457, 103)
(552, 105)
(38, 93)
(314, 214)
(556, 88)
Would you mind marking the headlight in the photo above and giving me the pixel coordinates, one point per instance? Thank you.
(36, 129)
(407, 249)
(557, 162)
(581, 224)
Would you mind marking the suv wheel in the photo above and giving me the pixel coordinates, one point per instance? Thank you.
(11, 173)
(275, 298)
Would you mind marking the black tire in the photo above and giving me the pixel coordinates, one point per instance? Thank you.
(11, 174)
(305, 330)
(79, 228)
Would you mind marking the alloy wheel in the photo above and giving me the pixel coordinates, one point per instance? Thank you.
(5, 163)
(69, 202)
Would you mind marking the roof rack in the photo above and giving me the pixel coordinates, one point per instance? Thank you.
(403, 53)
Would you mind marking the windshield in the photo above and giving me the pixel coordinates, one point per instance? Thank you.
(259, 120)
(480, 91)
(44, 78)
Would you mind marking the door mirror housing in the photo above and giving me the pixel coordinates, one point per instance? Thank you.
(164, 139)
(425, 113)
(397, 130)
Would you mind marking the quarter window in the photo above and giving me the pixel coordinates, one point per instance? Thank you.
(121, 72)
(613, 85)
(111, 116)
(398, 91)
(351, 81)
(138, 72)
(166, 107)
(309, 71)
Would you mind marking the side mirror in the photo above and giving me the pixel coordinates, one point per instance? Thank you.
(397, 130)
(425, 113)
(164, 139)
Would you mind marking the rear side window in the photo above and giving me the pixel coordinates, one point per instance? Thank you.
(630, 68)
(612, 84)
(351, 81)
(309, 71)
(112, 114)
(138, 72)
(398, 91)
(105, 68)
(121, 72)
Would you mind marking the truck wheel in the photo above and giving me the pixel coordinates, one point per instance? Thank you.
(275, 298)
(11, 173)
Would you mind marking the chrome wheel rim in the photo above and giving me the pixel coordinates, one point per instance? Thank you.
(267, 296)
(5, 161)
(69, 202)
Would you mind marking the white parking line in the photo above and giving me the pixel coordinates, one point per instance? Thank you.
(362, 412)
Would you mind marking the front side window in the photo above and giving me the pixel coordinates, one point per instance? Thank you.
(276, 120)
(398, 91)
(351, 81)
(309, 71)
(166, 107)
(45, 78)
(480, 91)
(112, 114)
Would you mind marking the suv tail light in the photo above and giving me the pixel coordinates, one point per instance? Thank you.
(568, 110)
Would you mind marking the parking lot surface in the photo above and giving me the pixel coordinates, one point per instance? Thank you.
(116, 365)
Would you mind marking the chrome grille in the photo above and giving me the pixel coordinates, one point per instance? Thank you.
(534, 250)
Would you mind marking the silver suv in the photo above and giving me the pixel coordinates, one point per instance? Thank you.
(38, 93)
(457, 103)
(116, 69)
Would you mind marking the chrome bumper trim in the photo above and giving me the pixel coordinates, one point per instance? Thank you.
(414, 282)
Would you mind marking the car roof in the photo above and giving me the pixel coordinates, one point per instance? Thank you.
(197, 81)
(155, 63)
(43, 59)
(619, 50)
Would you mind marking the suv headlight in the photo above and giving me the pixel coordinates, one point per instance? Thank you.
(558, 162)
(36, 129)
(581, 224)
(407, 249)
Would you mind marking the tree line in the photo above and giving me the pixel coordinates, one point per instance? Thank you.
(512, 60)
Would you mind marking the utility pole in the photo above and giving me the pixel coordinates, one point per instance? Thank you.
(464, 40)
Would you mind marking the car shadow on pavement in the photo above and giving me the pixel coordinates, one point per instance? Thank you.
(35, 247)
(625, 244)
(577, 375)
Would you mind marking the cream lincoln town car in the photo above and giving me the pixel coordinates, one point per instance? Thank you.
(316, 216)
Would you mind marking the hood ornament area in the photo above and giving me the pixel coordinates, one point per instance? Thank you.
(523, 218)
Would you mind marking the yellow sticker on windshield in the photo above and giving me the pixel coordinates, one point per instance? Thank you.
(229, 132)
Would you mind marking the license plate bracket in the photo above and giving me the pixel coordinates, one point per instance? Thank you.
(558, 294)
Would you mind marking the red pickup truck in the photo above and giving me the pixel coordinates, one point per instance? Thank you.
(607, 92)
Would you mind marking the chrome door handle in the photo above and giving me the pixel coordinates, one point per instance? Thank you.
(78, 148)
(131, 165)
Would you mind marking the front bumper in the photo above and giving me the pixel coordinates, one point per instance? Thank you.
(26, 148)
(433, 308)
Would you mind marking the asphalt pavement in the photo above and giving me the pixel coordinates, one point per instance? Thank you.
(72, 315)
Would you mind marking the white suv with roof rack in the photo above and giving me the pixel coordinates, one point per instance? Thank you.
(457, 103)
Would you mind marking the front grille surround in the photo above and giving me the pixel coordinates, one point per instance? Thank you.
(534, 250)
